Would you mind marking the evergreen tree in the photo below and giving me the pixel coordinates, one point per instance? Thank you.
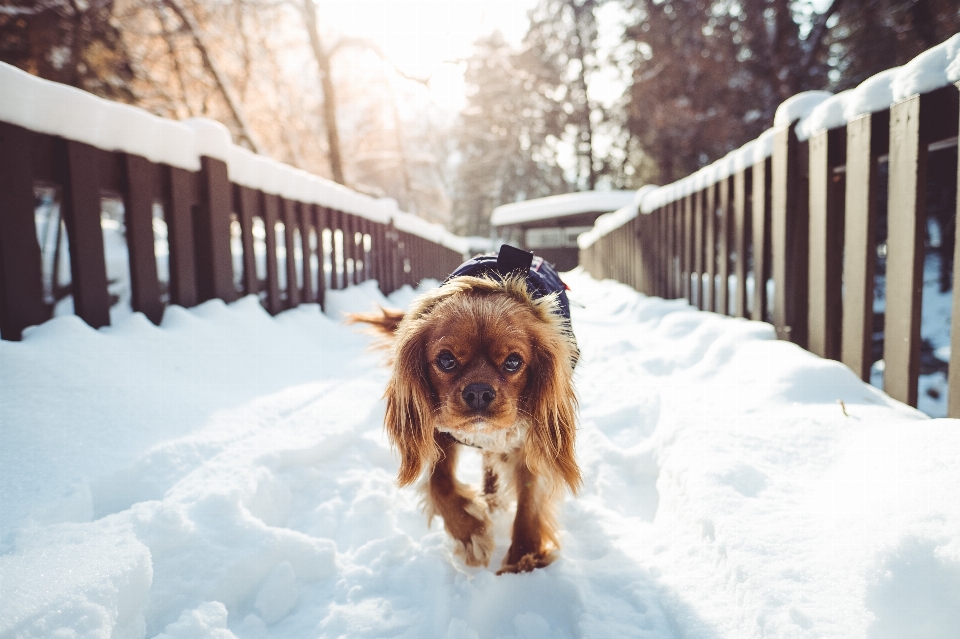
(509, 135)
(873, 35)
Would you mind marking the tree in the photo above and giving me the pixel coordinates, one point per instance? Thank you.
(708, 76)
(870, 36)
(75, 43)
(509, 134)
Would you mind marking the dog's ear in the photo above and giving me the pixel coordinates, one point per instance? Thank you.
(552, 404)
(410, 402)
(383, 323)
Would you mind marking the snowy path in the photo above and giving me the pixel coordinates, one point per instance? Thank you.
(227, 475)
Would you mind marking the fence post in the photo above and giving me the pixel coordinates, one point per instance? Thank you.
(865, 139)
(760, 211)
(349, 244)
(178, 212)
(81, 213)
(953, 380)
(271, 215)
(788, 239)
(319, 219)
(669, 252)
(142, 183)
(663, 252)
(741, 224)
(698, 246)
(723, 248)
(305, 222)
(212, 233)
(827, 151)
(289, 211)
(381, 254)
(677, 270)
(913, 123)
(21, 271)
(245, 200)
(686, 270)
(710, 212)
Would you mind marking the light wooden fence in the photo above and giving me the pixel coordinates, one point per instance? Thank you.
(807, 217)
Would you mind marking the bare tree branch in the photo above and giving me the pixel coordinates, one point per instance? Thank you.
(815, 38)
(235, 109)
(370, 45)
(326, 83)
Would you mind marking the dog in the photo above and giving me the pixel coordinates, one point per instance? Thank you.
(486, 360)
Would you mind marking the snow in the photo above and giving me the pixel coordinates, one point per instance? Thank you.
(226, 475)
(763, 147)
(872, 95)
(798, 107)
(927, 71)
(65, 111)
(560, 206)
(829, 114)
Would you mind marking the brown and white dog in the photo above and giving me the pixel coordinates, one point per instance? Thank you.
(482, 362)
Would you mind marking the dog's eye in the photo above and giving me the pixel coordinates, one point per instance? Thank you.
(513, 363)
(446, 361)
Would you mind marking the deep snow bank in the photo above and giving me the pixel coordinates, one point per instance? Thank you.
(226, 475)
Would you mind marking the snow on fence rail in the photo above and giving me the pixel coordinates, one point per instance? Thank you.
(803, 199)
(228, 213)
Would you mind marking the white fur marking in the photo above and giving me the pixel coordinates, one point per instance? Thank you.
(498, 441)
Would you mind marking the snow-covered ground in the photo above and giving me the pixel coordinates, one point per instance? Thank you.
(226, 475)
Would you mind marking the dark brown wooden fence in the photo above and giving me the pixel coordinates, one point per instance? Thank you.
(198, 209)
(808, 216)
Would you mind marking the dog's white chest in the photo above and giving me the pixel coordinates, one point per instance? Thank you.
(498, 441)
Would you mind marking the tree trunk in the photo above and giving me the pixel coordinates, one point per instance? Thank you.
(326, 83)
(214, 70)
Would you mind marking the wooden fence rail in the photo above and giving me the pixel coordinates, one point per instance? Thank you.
(806, 218)
(199, 208)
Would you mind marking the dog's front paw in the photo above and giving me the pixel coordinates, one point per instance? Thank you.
(472, 532)
(526, 563)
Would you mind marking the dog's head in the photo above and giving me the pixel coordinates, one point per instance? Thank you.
(483, 355)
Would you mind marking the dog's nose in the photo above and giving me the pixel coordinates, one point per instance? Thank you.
(479, 396)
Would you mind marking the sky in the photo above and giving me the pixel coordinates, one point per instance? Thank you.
(426, 38)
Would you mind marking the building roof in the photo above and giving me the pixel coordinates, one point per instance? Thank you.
(557, 206)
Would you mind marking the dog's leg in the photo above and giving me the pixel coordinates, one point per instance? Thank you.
(535, 528)
(464, 514)
(491, 482)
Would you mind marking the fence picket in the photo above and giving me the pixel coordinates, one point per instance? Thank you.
(760, 214)
(788, 238)
(21, 272)
(914, 124)
(825, 301)
(710, 290)
(179, 201)
(81, 214)
(271, 215)
(305, 223)
(212, 233)
(723, 248)
(245, 201)
(953, 381)
(288, 209)
(741, 233)
(141, 187)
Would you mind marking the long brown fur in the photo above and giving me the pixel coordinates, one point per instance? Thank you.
(418, 396)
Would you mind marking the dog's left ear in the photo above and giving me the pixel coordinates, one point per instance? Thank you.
(552, 404)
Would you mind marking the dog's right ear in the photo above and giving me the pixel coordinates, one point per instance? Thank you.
(410, 403)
